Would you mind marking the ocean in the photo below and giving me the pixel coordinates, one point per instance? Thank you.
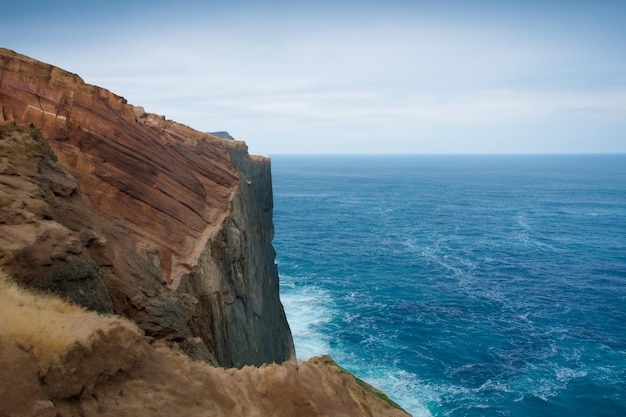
(461, 285)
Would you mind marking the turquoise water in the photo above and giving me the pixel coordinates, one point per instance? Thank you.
(461, 285)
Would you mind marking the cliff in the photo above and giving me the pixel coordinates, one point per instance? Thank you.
(140, 216)
(165, 230)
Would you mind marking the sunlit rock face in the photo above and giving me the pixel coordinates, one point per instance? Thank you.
(127, 212)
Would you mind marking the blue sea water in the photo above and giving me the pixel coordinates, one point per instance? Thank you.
(461, 285)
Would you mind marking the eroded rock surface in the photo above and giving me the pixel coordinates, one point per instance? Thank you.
(59, 360)
(124, 211)
(129, 214)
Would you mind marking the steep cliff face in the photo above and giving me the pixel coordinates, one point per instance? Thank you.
(126, 212)
(240, 250)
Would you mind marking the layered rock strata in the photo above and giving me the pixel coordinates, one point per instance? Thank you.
(126, 212)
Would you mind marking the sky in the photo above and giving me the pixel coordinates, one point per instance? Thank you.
(352, 77)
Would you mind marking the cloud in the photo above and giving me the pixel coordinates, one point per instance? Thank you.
(403, 70)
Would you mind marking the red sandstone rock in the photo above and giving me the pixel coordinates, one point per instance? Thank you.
(171, 184)
(138, 215)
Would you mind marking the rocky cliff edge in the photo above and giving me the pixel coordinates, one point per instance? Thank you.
(126, 212)
(58, 360)
(165, 234)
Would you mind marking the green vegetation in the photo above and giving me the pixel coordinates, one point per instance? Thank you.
(368, 387)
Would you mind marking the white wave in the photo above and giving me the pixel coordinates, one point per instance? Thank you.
(307, 309)
(567, 374)
(407, 389)
(522, 222)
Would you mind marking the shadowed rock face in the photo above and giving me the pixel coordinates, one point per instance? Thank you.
(126, 212)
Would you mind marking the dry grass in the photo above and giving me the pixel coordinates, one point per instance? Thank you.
(35, 322)
(21, 142)
(45, 325)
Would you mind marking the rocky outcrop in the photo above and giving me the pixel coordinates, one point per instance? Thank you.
(49, 230)
(222, 134)
(52, 350)
(169, 184)
(101, 366)
(166, 233)
(124, 211)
